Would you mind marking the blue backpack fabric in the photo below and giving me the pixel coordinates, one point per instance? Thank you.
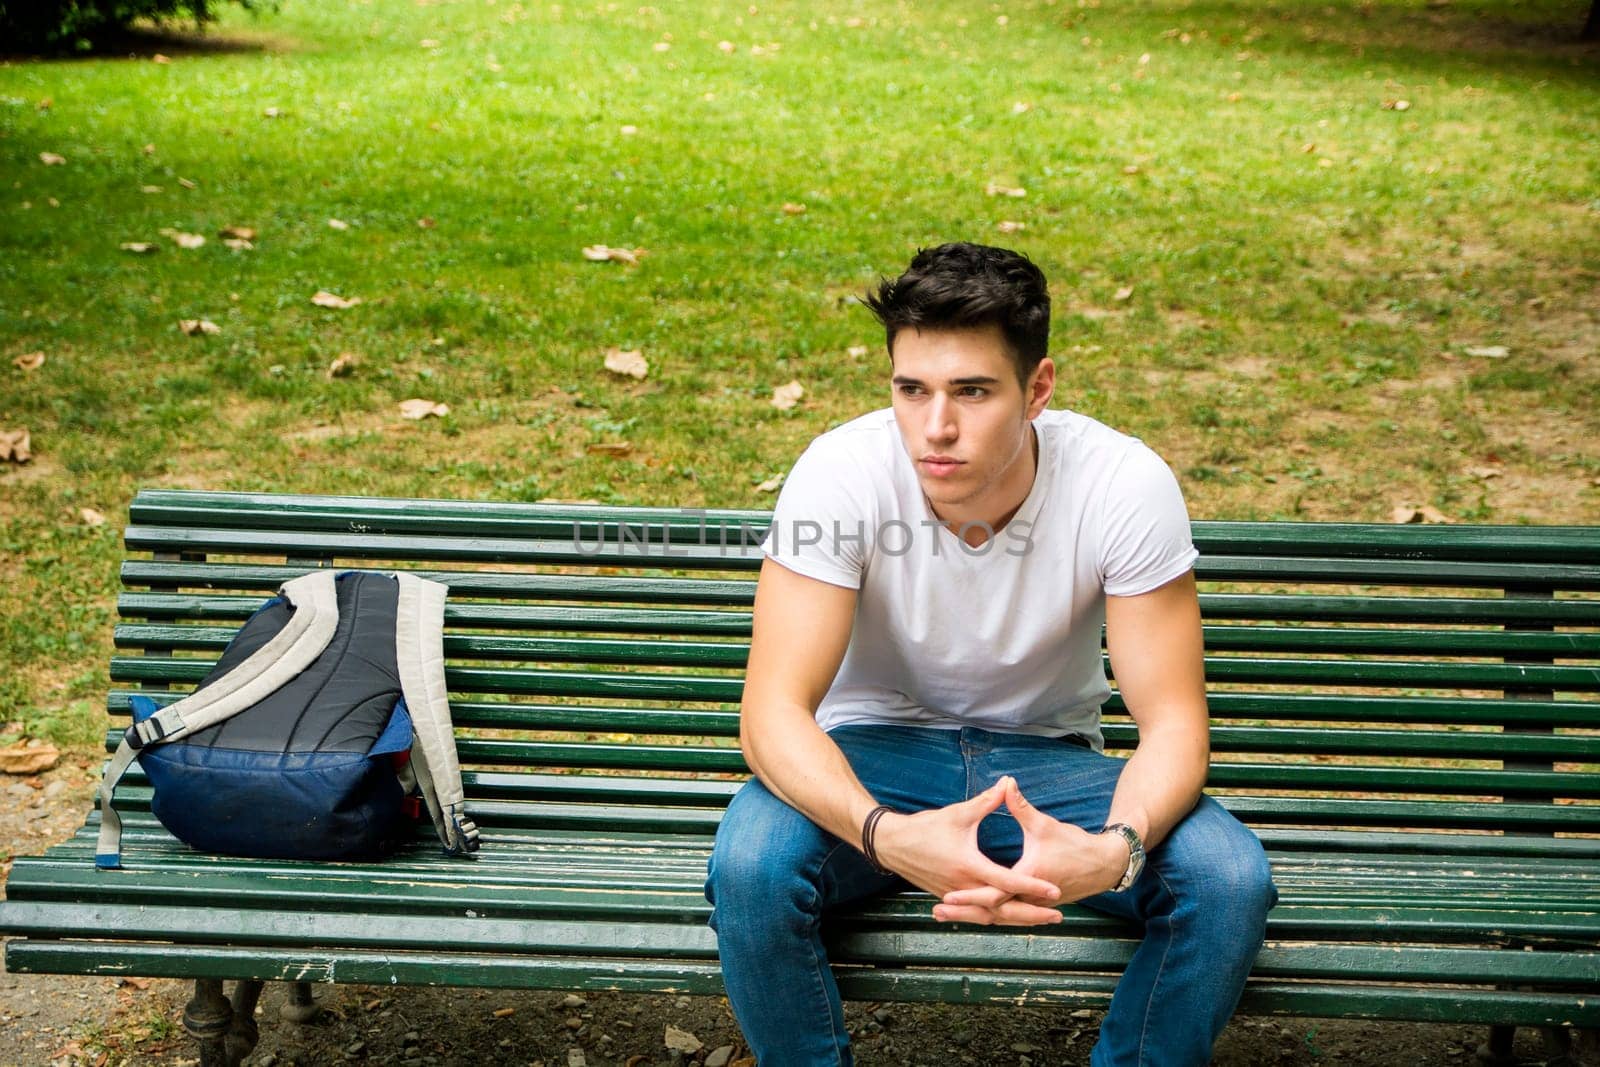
(300, 743)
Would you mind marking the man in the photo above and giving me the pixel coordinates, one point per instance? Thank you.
(926, 652)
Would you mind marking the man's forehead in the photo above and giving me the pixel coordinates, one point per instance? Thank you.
(973, 356)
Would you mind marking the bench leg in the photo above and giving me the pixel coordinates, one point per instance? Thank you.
(207, 1018)
(243, 1032)
(1496, 1052)
(301, 1007)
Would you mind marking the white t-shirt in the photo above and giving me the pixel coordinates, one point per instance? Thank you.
(1005, 636)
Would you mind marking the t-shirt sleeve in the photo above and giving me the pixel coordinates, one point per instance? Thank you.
(1145, 540)
(821, 525)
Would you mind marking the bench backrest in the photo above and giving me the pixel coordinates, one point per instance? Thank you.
(1397, 678)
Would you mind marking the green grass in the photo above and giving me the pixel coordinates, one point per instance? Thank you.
(1308, 267)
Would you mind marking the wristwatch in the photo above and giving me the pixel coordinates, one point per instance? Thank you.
(1135, 853)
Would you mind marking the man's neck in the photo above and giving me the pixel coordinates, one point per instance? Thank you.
(977, 522)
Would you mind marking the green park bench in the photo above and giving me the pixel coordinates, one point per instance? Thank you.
(1409, 716)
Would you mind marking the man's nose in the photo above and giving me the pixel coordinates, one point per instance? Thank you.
(941, 424)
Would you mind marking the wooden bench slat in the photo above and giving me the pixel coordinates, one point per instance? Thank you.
(854, 942)
(722, 689)
(499, 800)
(1462, 541)
(1119, 736)
(644, 589)
(576, 552)
(463, 584)
(654, 651)
(477, 616)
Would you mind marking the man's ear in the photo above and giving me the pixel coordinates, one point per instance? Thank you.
(1041, 386)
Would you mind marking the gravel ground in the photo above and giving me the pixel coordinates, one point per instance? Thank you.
(70, 1021)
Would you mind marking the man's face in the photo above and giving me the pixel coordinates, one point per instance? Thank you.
(963, 417)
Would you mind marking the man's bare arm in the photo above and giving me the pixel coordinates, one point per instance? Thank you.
(1158, 657)
(801, 630)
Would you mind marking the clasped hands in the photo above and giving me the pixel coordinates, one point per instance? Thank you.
(937, 850)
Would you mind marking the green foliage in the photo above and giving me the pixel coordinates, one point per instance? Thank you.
(73, 25)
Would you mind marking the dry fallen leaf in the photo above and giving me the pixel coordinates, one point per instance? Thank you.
(138, 248)
(325, 299)
(1487, 351)
(630, 363)
(1125, 293)
(628, 130)
(272, 112)
(1397, 105)
(159, 58)
(993, 189)
(29, 361)
(344, 365)
(50, 159)
(196, 327)
(242, 233)
(187, 184)
(150, 188)
(426, 223)
(28, 758)
(1485, 473)
(338, 224)
(428, 42)
(421, 409)
(16, 446)
(603, 253)
(1021, 107)
(1008, 226)
(662, 46)
(238, 244)
(504, 1013)
(785, 397)
(149, 149)
(794, 209)
(682, 1041)
(133, 983)
(1405, 513)
(91, 517)
(602, 448)
(856, 351)
(1131, 168)
(181, 239)
(771, 485)
(45, 103)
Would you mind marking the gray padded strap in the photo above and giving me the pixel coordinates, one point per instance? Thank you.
(419, 653)
(314, 598)
(275, 664)
(108, 847)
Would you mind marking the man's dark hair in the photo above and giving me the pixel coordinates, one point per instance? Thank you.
(961, 285)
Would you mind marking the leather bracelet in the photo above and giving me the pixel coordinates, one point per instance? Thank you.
(869, 827)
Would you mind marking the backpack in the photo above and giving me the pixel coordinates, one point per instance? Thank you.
(325, 715)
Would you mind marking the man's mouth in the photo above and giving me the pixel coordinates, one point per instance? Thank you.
(940, 466)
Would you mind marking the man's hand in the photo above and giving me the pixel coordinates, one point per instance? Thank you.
(937, 850)
(1075, 862)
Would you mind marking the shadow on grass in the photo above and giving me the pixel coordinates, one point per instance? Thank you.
(146, 42)
(1436, 37)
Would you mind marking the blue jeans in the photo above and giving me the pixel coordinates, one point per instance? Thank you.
(1202, 899)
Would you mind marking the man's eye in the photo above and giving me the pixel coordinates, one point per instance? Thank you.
(974, 390)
